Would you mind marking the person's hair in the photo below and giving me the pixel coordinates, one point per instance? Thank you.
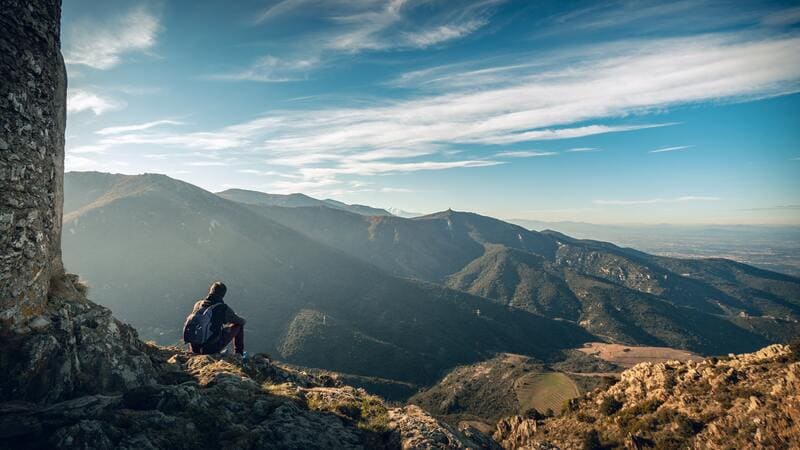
(217, 289)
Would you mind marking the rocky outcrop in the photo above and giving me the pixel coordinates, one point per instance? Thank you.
(418, 430)
(73, 347)
(745, 401)
(32, 120)
(202, 401)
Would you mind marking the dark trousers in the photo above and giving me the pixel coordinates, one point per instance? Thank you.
(230, 333)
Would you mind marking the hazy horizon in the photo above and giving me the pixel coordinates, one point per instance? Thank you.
(607, 113)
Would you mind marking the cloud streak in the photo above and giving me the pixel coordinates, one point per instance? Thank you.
(671, 149)
(583, 150)
(523, 154)
(136, 127)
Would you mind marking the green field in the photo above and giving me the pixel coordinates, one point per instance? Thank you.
(544, 391)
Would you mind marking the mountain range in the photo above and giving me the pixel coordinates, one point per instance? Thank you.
(149, 246)
(324, 284)
(770, 247)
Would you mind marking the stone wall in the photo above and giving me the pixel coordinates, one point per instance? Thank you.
(32, 119)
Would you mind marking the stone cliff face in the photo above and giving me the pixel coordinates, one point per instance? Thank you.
(745, 401)
(32, 120)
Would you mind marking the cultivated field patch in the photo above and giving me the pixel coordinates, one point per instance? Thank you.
(629, 355)
(544, 391)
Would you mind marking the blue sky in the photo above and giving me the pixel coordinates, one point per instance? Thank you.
(606, 112)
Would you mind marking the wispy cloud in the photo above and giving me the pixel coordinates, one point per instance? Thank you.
(385, 25)
(687, 198)
(84, 149)
(102, 45)
(671, 149)
(269, 173)
(430, 132)
(136, 127)
(85, 100)
(376, 168)
(157, 156)
(209, 163)
(564, 133)
(443, 33)
(269, 69)
(583, 150)
(652, 76)
(648, 16)
(349, 27)
(523, 154)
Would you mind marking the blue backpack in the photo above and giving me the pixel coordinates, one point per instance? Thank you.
(197, 328)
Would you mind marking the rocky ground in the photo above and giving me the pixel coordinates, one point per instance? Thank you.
(75, 377)
(745, 401)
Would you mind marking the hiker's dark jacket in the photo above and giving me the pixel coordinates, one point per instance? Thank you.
(222, 314)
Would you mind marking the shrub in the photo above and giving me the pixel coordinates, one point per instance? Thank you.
(569, 406)
(591, 440)
(374, 415)
(610, 405)
(687, 427)
(533, 413)
(632, 420)
(794, 346)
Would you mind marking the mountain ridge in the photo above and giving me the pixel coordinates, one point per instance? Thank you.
(587, 283)
(177, 237)
(444, 247)
(296, 200)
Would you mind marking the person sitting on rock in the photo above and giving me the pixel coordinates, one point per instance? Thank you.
(212, 325)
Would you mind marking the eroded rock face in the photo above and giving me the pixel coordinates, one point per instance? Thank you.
(418, 430)
(74, 347)
(32, 120)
